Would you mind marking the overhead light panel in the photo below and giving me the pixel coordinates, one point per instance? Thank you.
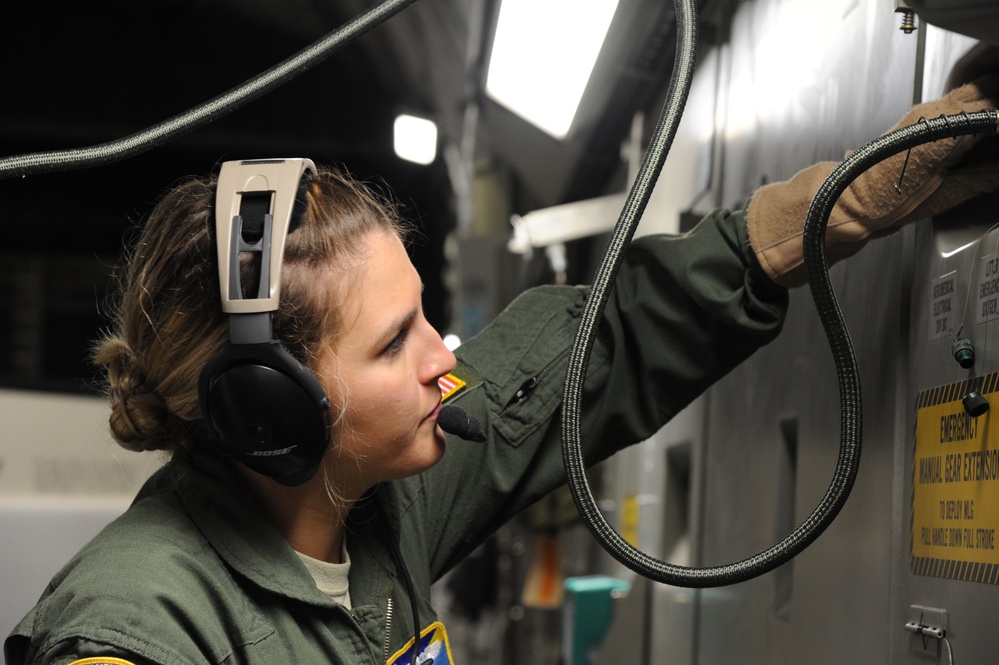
(542, 57)
(415, 139)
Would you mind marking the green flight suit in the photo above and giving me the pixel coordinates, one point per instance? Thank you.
(194, 573)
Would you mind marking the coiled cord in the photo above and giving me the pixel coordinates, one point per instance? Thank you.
(825, 300)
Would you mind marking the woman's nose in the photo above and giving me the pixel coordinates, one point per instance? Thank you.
(441, 359)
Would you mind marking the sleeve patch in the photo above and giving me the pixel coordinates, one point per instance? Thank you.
(434, 648)
(102, 660)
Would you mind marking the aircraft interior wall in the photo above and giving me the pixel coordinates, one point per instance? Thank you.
(802, 83)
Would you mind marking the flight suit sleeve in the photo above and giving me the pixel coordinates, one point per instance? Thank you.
(76, 652)
(683, 311)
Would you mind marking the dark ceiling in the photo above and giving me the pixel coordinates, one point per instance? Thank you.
(83, 74)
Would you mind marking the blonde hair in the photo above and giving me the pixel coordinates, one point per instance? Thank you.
(169, 318)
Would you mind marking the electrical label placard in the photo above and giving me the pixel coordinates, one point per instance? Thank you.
(943, 306)
(987, 289)
(955, 485)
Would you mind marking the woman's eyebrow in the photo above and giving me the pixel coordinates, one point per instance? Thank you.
(402, 322)
(392, 330)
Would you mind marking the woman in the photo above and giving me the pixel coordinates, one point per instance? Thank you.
(217, 563)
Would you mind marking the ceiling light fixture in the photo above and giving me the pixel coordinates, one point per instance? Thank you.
(415, 139)
(543, 54)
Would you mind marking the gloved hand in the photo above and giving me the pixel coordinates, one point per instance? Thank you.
(937, 177)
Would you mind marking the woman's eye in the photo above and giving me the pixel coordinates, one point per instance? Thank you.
(396, 344)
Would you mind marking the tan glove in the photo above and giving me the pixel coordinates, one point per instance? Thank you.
(937, 177)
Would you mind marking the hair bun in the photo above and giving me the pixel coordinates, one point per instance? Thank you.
(140, 421)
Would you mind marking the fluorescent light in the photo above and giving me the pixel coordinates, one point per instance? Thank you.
(960, 249)
(415, 139)
(543, 53)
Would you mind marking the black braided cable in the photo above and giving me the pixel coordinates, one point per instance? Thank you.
(624, 230)
(848, 375)
(129, 146)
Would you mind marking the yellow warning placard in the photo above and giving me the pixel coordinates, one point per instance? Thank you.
(629, 519)
(955, 485)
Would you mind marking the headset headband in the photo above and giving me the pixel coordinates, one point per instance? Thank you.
(242, 186)
(261, 405)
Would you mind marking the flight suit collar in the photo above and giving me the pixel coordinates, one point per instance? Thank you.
(236, 526)
(234, 523)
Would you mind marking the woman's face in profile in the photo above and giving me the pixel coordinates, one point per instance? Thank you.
(389, 358)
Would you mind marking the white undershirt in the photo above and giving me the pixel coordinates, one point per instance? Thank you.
(330, 578)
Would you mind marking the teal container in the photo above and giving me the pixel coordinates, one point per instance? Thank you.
(587, 612)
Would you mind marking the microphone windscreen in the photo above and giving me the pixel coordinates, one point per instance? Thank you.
(455, 420)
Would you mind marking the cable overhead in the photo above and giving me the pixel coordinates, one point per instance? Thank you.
(213, 109)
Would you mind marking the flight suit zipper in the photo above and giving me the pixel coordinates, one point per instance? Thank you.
(388, 628)
(523, 392)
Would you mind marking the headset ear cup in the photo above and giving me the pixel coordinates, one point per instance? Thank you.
(266, 410)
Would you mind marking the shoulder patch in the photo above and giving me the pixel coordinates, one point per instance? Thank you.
(101, 660)
(450, 386)
(434, 648)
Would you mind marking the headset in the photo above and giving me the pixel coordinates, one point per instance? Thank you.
(261, 405)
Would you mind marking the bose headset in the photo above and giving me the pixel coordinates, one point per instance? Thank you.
(261, 406)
